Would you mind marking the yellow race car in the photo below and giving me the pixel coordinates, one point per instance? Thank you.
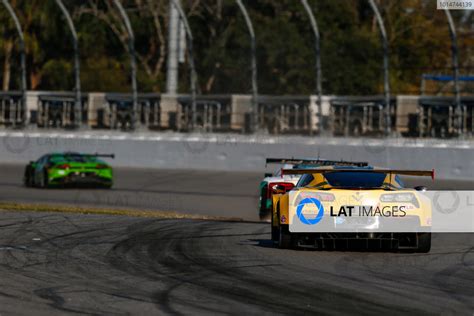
(344, 207)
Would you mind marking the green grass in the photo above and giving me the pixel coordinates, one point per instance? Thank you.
(26, 207)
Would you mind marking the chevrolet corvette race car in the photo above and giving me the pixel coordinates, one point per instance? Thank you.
(289, 180)
(343, 206)
(68, 168)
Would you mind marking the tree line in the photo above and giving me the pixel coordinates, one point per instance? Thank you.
(351, 51)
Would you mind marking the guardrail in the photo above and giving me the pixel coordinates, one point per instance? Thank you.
(286, 114)
(11, 113)
(437, 117)
(360, 116)
(213, 113)
(58, 111)
(342, 115)
(118, 111)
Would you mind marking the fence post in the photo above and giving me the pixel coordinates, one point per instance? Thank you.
(133, 63)
(77, 71)
(192, 65)
(317, 49)
(23, 62)
(455, 60)
(254, 120)
(386, 87)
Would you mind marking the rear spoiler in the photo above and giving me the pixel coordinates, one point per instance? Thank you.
(101, 155)
(322, 162)
(419, 173)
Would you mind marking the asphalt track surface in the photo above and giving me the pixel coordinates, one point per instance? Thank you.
(227, 194)
(88, 264)
(185, 191)
(52, 263)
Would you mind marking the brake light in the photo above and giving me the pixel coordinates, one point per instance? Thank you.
(288, 186)
(64, 166)
(101, 166)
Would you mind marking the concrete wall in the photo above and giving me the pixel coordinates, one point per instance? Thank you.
(406, 105)
(227, 152)
(313, 103)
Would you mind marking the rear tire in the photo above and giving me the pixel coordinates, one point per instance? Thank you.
(28, 179)
(424, 242)
(264, 215)
(284, 238)
(275, 232)
(44, 180)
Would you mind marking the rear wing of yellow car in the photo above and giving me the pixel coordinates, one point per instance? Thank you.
(322, 162)
(418, 173)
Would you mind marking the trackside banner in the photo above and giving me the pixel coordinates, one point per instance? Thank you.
(313, 211)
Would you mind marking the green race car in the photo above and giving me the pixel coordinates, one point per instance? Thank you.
(69, 169)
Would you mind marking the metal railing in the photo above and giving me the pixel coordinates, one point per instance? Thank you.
(212, 113)
(342, 115)
(360, 116)
(11, 109)
(437, 117)
(57, 111)
(118, 111)
(284, 115)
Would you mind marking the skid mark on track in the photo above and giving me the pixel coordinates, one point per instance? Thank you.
(111, 264)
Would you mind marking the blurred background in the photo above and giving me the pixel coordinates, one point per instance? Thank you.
(331, 67)
(351, 50)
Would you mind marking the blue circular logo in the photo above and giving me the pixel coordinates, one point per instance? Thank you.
(310, 221)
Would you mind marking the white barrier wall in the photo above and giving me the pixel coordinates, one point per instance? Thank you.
(232, 152)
